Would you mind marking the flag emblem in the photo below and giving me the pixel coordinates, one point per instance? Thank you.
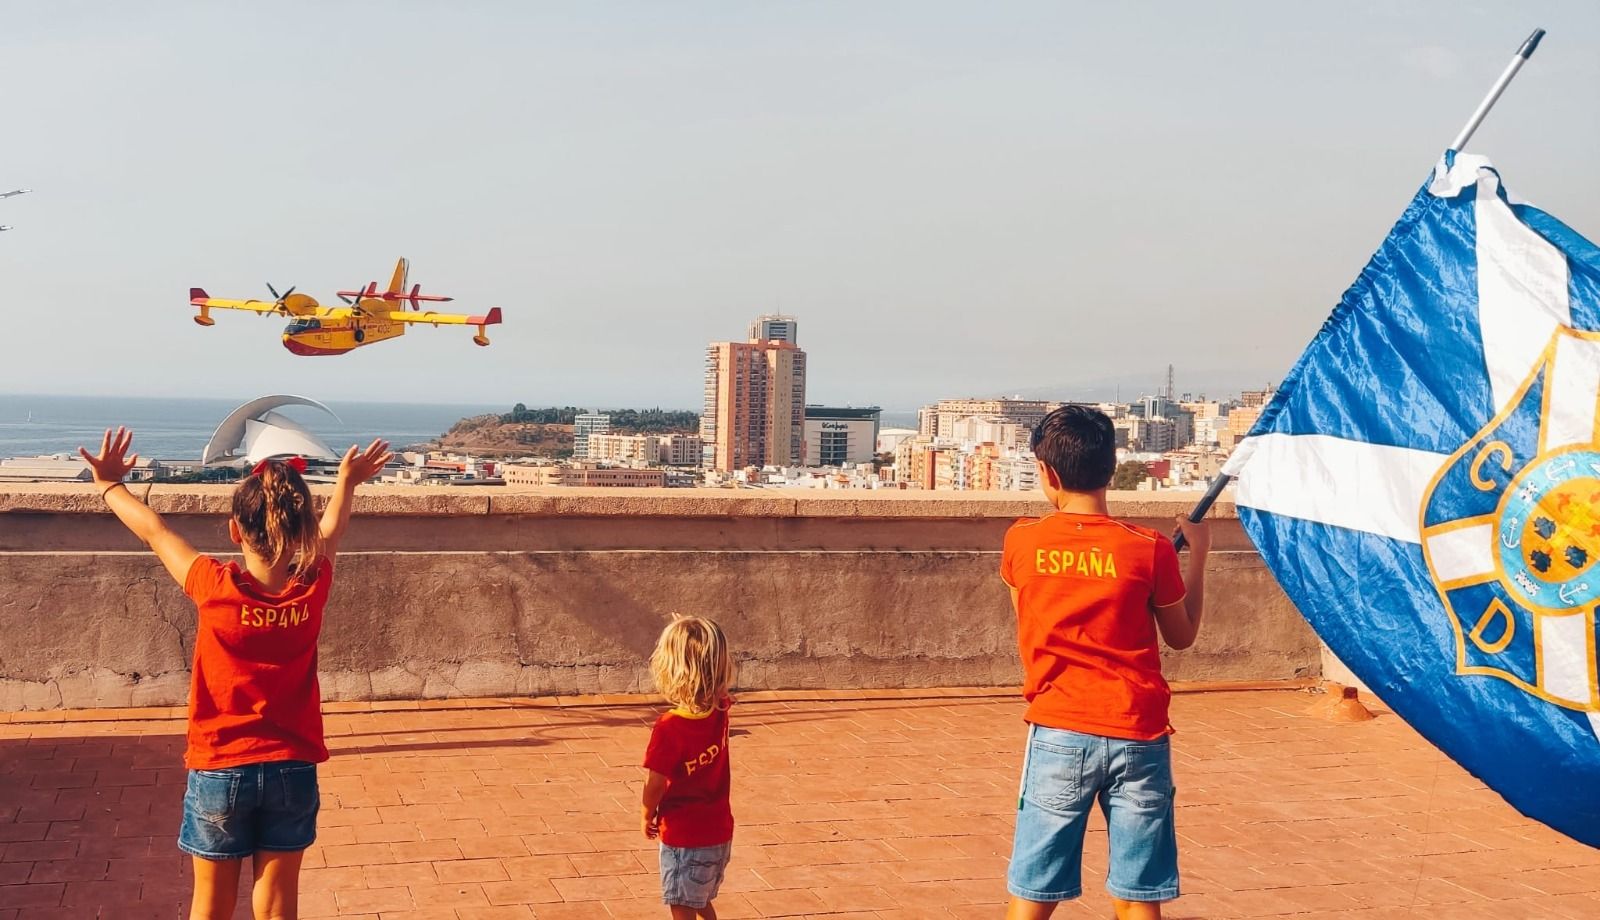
(1511, 534)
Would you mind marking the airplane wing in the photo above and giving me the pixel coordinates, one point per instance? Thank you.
(293, 305)
(198, 297)
(430, 318)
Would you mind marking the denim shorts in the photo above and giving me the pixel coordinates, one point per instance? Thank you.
(232, 813)
(690, 876)
(1063, 774)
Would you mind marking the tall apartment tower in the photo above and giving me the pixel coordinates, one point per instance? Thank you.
(755, 399)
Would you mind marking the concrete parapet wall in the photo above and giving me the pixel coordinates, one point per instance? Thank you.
(497, 592)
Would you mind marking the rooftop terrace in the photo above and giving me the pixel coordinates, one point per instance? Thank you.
(888, 805)
(480, 792)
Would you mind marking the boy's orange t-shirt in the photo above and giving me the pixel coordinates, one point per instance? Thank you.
(254, 697)
(1087, 588)
(691, 751)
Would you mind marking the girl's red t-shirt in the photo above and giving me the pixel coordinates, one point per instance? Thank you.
(691, 751)
(254, 697)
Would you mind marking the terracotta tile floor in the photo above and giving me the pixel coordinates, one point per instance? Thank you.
(868, 808)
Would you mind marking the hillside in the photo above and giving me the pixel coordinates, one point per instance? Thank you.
(548, 432)
(486, 434)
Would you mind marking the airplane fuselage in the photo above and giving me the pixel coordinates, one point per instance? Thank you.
(314, 336)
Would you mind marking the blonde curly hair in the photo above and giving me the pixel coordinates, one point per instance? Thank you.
(692, 664)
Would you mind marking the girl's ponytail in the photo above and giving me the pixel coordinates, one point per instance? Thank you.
(274, 511)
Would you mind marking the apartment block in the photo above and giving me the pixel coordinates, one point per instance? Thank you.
(938, 420)
(755, 398)
(584, 476)
(584, 426)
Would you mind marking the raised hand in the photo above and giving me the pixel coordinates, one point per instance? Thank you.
(112, 464)
(358, 465)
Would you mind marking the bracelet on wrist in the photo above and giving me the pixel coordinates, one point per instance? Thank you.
(107, 490)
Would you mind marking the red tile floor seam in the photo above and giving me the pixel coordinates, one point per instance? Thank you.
(889, 806)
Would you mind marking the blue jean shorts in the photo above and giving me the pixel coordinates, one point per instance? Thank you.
(690, 876)
(232, 813)
(1063, 774)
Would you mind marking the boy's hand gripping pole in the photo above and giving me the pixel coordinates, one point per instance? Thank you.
(1199, 512)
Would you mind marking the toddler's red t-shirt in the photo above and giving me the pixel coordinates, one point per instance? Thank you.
(254, 697)
(691, 751)
(1087, 588)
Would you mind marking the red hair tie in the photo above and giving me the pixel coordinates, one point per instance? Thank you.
(298, 464)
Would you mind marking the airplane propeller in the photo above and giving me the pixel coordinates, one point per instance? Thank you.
(279, 300)
(354, 300)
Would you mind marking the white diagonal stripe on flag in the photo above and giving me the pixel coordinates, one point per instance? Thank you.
(1374, 488)
(1522, 291)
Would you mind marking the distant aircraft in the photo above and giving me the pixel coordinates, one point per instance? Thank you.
(12, 194)
(4, 227)
(369, 318)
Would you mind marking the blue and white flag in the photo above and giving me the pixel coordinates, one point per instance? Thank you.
(1426, 487)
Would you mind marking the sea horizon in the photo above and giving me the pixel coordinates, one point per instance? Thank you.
(178, 427)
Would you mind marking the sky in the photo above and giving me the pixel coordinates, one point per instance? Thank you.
(955, 199)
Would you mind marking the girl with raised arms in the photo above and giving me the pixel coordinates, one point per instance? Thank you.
(255, 710)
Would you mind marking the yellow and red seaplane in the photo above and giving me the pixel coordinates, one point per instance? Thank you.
(369, 316)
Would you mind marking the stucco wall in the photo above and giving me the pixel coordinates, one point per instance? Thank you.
(487, 592)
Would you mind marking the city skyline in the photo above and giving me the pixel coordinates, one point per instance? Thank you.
(1132, 386)
(957, 199)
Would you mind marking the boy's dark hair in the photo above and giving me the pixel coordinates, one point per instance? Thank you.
(1080, 445)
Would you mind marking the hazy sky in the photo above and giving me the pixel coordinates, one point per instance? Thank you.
(954, 198)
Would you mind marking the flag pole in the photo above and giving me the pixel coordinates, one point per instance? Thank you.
(1520, 58)
(1482, 111)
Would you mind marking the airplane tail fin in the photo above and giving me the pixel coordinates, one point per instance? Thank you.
(198, 294)
(398, 282)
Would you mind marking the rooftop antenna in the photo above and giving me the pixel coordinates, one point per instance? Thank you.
(1482, 111)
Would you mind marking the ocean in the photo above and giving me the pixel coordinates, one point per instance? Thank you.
(178, 429)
